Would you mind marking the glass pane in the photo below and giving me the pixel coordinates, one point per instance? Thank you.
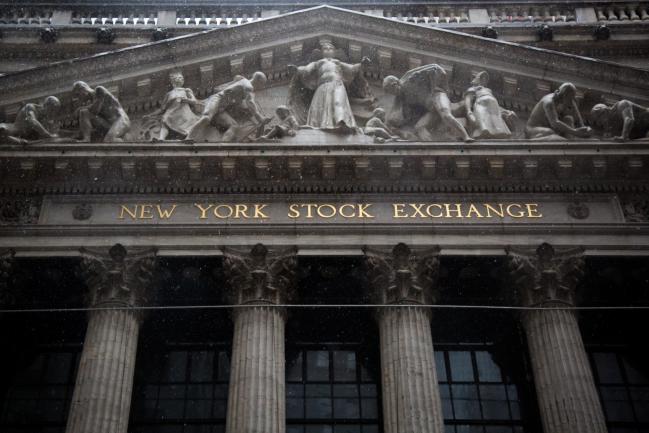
(488, 370)
(469, 429)
(447, 407)
(318, 390)
(461, 367)
(32, 372)
(440, 366)
(369, 408)
(58, 367)
(200, 409)
(633, 375)
(494, 402)
(465, 401)
(370, 429)
(347, 429)
(608, 369)
(175, 367)
(344, 365)
(318, 408)
(294, 429)
(219, 408)
(318, 429)
(640, 398)
(368, 390)
(317, 363)
(345, 391)
(294, 367)
(202, 366)
(346, 408)
(224, 367)
(616, 404)
(295, 407)
(199, 392)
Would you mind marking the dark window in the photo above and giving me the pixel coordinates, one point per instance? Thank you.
(185, 390)
(476, 396)
(624, 389)
(38, 395)
(331, 390)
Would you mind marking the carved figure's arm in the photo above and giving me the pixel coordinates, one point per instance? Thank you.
(629, 118)
(34, 123)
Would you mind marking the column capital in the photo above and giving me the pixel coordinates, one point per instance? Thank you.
(401, 276)
(260, 276)
(117, 276)
(545, 276)
(7, 297)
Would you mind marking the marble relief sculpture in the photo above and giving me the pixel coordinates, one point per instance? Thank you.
(287, 126)
(320, 92)
(556, 116)
(34, 122)
(233, 111)
(177, 112)
(100, 113)
(376, 127)
(621, 121)
(485, 118)
(421, 102)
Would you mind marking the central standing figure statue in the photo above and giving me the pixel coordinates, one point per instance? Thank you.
(319, 91)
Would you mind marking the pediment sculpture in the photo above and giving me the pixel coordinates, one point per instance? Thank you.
(327, 95)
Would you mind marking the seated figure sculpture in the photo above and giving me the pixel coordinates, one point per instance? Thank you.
(376, 127)
(100, 112)
(287, 126)
(622, 121)
(233, 110)
(555, 115)
(33, 122)
(177, 111)
(485, 118)
(421, 100)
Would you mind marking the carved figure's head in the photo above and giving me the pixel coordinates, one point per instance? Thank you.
(480, 79)
(82, 90)
(282, 112)
(391, 85)
(176, 78)
(379, 113)
(328, 50)
(545, 253)
(258, 80)
(566, 92)
(598, 114)
(52, 105)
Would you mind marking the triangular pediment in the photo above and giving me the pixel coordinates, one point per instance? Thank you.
(139, 75)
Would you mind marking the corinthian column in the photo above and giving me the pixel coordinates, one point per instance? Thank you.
(258, 280)
(102, 393)
(411, 398)
(564, 382)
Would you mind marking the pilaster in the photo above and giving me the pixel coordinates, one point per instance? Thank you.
(258, 279)
(565, 388)
(117, 281)
(411, 397)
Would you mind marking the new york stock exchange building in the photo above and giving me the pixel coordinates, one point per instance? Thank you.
(372, 217)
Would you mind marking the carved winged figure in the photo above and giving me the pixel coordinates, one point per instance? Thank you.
(260, 276)
(400, 276)
(117, 276)
(545, 274)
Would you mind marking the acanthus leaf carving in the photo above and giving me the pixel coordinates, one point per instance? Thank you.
(400, 276)
(20, 210)
(260, 276)
(545, 276)
(117, 277)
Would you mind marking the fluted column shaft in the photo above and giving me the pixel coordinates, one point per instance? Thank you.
(257, 282)
(411, 397)
(257, 398)
(565, 388)
(102, 395)
(117, 282)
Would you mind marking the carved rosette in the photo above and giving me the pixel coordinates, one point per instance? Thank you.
(401, 276)
(7, 297)
(117, 277)
(260, 276)
(19, 210)
(545, 276)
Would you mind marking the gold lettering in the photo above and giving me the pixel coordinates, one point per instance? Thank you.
(417, 209)
(293, 211)
(128, 211)
(326, 206)
(203, 210)
(398, 210)
(219, 215)
(458, 210)
(145, 211)
(532, 210)
(473, 210)
(165, 213)
(519, 214)
(309, 209)
(362, 211)
(345, 206)
(438, 206)
(258, 211)
(241, 209)
(490, 208)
